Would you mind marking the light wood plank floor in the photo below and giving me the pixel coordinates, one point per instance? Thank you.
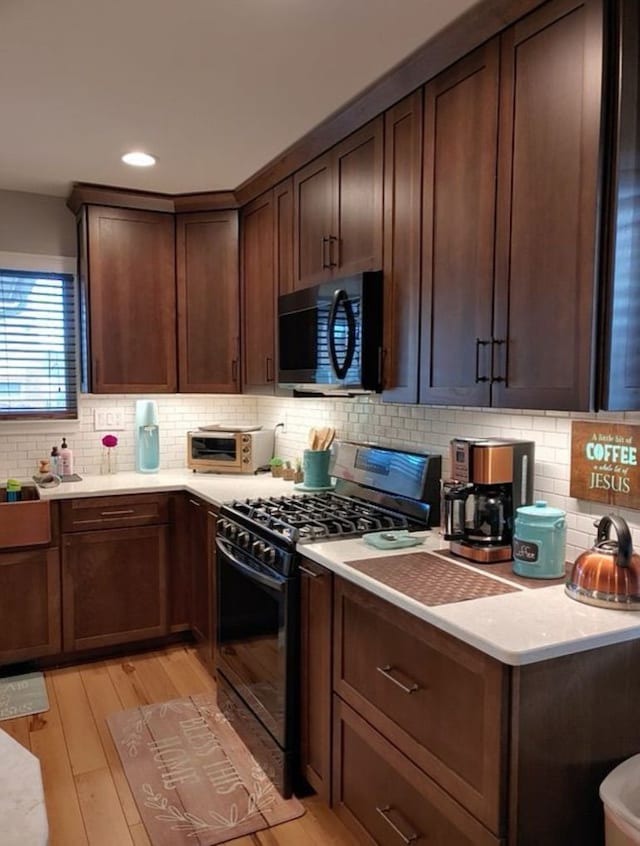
(88, 799)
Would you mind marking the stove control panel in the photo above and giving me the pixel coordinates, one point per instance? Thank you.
(246, 541)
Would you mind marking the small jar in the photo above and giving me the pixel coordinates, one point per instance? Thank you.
(109, 460)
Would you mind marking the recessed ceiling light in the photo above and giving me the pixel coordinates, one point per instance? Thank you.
(138, 159)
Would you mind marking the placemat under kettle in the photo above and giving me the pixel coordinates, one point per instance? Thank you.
(429, 579)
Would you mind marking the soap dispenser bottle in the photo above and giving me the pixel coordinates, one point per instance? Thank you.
(147, 437)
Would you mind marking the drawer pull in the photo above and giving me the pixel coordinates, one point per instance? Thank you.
(406, 838)
(211, 513)
(309, 572)
(117, 513)
(386, 672)
(194, 502)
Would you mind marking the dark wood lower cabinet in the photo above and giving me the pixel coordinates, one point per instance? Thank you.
(387, 800)
(29, 604)
(114, 586)
(316, 613)
(202, 524)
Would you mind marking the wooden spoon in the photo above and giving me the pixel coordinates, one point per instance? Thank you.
(322, 436)
(331, 433)
(312, 438)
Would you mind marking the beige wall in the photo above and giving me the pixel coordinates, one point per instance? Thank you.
(36, 224)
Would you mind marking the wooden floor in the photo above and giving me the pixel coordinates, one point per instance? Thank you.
(88, 799)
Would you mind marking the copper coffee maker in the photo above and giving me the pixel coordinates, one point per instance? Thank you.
(490, 479)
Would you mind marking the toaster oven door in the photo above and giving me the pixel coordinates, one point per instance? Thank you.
(215, 453)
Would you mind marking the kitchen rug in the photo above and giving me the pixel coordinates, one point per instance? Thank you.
(192, 778)
(22, 695)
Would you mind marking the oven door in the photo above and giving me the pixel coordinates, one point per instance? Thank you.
(256, 638)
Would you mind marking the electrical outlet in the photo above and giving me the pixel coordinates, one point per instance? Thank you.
(108, 419)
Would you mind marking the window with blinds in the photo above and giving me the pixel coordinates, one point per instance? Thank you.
(38, 354)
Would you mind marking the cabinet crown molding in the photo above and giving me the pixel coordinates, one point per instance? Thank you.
(85, 193)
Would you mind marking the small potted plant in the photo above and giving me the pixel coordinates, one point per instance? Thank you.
(276, 465)
(299, 475)
(288, 472)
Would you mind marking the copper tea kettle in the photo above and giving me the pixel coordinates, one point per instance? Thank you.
(608, 574)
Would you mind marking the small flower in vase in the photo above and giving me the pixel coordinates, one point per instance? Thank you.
(109, 456)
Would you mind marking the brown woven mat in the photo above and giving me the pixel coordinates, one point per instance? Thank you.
(430, 580)
(193, 780)
(505, 569)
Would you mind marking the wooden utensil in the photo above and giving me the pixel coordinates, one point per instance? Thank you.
(322, 435)
(312, 438)
(331, 433)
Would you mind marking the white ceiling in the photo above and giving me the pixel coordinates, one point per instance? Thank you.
(214, 88)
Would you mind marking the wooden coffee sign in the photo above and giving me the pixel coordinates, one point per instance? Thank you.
(604, 463)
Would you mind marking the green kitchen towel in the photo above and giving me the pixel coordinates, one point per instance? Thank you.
(391, 540)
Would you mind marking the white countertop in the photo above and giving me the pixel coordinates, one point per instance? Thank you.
(532, 624)
(23, 817)
(213, 487)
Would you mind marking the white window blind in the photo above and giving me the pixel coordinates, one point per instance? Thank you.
(38, 354)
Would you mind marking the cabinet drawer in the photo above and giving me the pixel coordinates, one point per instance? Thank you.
(114, 512)
(437, 699)
(387, 800)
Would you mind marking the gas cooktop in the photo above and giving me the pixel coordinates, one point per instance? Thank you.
(312, 517)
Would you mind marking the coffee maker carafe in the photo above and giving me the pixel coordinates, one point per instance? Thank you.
(490, 479)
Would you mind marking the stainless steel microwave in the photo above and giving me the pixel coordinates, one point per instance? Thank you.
(229, 452)
(330, 336)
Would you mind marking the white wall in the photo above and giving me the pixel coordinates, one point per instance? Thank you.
(35, 223)
(365, 418)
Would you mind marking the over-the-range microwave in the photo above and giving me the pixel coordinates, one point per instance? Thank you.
(229, 452)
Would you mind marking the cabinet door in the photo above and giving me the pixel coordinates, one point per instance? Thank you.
(212, 522)
(550, 100)
(179, 576)
(313, 188)
(258, 295)
(201, 600)
(460, 126)
(132, 296)
(208, 302)
(114, 586)
(356, 235)
(402, 217)
(283, 211)
(29, 605)
(316, 597)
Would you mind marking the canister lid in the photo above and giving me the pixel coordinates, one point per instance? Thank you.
(540, 509)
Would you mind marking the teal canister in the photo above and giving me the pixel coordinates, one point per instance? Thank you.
(539, 541)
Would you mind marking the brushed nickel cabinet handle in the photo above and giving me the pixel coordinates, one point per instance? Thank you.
(309, 572)
(269, 363)
(333, 239)
(211, 513)
(386, 672)
(234, 370)
(117, 513)
(194, 502)
(480, 343)
(497, 342)
(384, 813)
(325, 264)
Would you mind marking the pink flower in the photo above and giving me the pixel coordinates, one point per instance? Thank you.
(109, 441)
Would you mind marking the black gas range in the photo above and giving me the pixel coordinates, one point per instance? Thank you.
(257, 543)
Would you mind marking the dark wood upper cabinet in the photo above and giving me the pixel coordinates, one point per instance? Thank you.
(620, 385)
(460, 128)
(511, 181)
(266, 258)
(402, 239)
(283, 213)
(258, 241)
(129, 258)
(208, 302)
(338, 209)
(547, 208)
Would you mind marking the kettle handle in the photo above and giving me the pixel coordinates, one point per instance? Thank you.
(625, 547)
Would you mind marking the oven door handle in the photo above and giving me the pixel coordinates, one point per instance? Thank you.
(262, 578)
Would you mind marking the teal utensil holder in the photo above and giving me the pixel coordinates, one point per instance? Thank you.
(315, 464)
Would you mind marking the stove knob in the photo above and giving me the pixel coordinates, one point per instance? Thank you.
(270, 556)
(258, 547)
(243, 539)
(231, 531)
